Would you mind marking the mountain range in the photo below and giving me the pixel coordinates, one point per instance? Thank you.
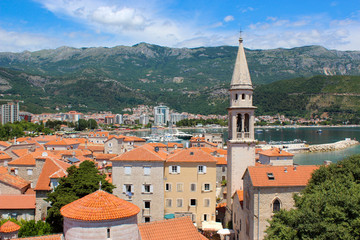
(193, 80)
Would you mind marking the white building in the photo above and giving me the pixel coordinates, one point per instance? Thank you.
(144, 119)
(10, 112)
(161, 115)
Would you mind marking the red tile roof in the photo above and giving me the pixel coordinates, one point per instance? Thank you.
(133, 139)
(14, 181)
(9, 227)
(48, 237)
(20, 152)
(52, 168)
(21, 201)
(4, 155)
(191, 155)
(28, 160)
(240, 194)
(99, 206)
(5, 144)
(3, 169)
(144, 153)
(64, 142)
(104, 156)
(174, 229)
(96, 148)
(283, 175)
(221, 160)
(275, 152)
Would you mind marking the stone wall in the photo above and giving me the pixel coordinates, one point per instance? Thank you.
(333, 146)
(119, 229)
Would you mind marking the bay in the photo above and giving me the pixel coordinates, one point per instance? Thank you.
(308, 134)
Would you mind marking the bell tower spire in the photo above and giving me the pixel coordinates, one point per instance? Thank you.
(241, 141)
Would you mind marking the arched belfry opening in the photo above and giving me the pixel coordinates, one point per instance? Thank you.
(239, 123)
(247, 123)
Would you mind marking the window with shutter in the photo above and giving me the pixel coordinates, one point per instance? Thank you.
(168, 187)
(147, 170)
(179, 187)
(193, 187)
(179, 202)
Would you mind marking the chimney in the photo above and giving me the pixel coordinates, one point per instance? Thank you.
(285, 169)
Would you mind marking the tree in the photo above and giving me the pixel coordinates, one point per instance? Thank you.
(82, 124)
(32, 228)
(328, 208)
(92, 124)
(80, 182)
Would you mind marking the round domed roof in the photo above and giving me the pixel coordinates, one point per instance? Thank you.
(99, 206)
(9, 227)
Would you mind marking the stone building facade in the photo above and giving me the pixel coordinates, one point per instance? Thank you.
(138, 177)
(267, 189)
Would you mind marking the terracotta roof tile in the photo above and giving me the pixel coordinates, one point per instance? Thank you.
(240, 194)
(21, 201)
(3, 169)
(221, 160)
(174, 229)
(9, 227)
(20, 152)
(47, 237)
(190, 155)
(52, 168)
(133, 139)
(282, 175)
(46, 138)
(99, 206)
(144, 153)
(276, 152)
(14, 181)
(5, 144)
(97, 148)
(28, 160)
(104, 156)
(64, 142)
(4, 155)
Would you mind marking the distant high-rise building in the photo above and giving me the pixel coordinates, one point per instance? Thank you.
(176, 117)
(119, 119)
(144, 119)
(10, 112)
(161, 115)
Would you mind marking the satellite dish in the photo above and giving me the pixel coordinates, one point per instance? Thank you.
(44, 154)
(156, 149)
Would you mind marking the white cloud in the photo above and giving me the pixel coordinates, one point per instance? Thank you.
(11, 41)
(127, 22)
(124, 18)
(229, 18)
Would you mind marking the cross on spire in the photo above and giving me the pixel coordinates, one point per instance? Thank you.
(100, 185)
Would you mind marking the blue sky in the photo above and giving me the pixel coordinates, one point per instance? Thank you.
(42, 24)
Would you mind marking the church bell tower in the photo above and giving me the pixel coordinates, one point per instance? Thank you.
(241, 140)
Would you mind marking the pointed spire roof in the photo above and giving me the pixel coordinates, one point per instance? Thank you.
(241, 76)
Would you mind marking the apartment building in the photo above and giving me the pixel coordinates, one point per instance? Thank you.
(10, 112)
(190, 184)
(138, 176)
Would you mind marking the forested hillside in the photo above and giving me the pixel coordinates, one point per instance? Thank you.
(192, 80)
